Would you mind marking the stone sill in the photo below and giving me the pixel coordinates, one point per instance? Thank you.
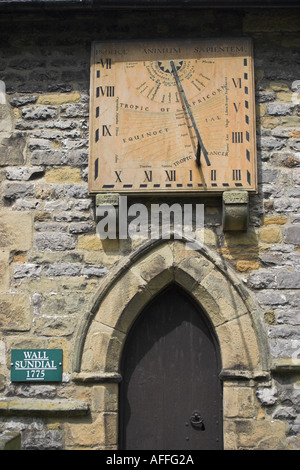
(97, 376)
(285, 365)
(29, 406)
(242, 375)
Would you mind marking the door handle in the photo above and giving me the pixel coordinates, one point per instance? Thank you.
(197, 421)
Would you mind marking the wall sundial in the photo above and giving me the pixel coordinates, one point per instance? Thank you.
(172, 117)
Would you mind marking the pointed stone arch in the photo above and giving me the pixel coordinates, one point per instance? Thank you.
(121, 297)
(141, 276)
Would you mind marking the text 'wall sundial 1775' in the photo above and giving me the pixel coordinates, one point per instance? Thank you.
(172, 117)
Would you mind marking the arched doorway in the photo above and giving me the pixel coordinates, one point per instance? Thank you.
(171, 394)
(126, 292)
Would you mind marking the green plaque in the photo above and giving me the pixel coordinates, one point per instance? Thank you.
(36, 365)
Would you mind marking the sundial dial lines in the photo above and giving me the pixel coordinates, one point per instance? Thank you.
(159, 85)
(165, 66)
(142, 142)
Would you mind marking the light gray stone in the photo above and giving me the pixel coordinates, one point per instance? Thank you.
(70, 216)
(43, 440)
(39, 112)
(26, 270)
(48, 157)
(280, 109)
(285, 413)
(292, 235)
(54, 241)
(75, 190)
(24, 173)
(81, 227)
(14, 191)
(22, 100)
(271, 298)
(62, 269)
(268, 175)
(284, 204)
(288, 316)
(26, 205)
(267, 396)
(295, 144)
(262, 280)
(284, 332)
(270, 144)
(289, 279)
(78, 158)
(56, 205)
(97, 271)
(50, 227)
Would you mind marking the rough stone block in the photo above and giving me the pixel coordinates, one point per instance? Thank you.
(26, 270)
(270, 143)
(74, 190)
(58, 99)
(15, 312)
(6, 118)
(246, 265)
(48, 157)
(131, 295)
(280, 109)
(55, 325)
(22, 100)
(270, 234)
(289, 280)
(287, 204)
(92, 242)
(292, 235)
(39, 112)
(12, 149)
(271, 298)
(91, 271)
(24, 173)
(15, 231)
(267, 396)
(86, 435)
(78, 158)
(268, 176)
(81, 227)
(62, 269)
(102, 349)
(275, 220)
(4, 271)
(54, 241)
(239, 402)
(12, 191)
(63, 175)
(232, 353)
(71, 216)
(262, 280)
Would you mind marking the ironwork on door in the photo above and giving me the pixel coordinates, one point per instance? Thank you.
(170, 394)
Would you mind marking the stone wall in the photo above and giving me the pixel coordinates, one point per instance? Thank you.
(52, 261)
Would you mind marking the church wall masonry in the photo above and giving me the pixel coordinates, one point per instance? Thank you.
(52, 262)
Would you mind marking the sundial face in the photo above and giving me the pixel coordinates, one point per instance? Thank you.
(172, 117)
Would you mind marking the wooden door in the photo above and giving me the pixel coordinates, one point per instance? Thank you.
(170, 395)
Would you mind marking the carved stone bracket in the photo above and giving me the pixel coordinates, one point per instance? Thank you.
(235, 210)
